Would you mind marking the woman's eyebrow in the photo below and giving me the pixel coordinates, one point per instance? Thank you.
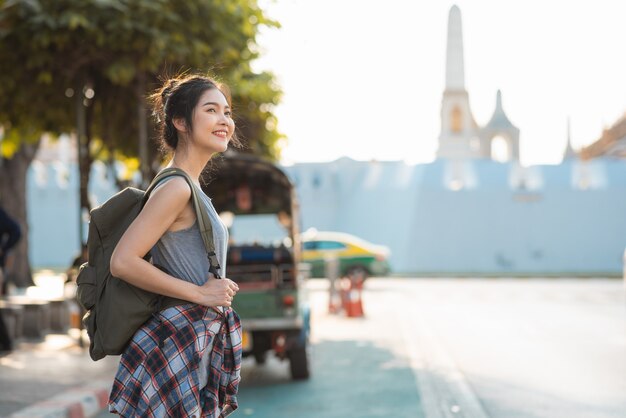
(215, 104)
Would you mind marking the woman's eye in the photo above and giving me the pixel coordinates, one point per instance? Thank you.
(210, 110)
(229, 114)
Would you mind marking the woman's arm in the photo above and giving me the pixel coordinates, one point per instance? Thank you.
(165, 205)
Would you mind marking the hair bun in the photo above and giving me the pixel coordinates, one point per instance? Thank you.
(167, 90)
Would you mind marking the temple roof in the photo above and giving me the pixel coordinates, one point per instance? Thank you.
(499, 119)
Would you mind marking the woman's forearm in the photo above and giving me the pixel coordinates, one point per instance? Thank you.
(140, 273)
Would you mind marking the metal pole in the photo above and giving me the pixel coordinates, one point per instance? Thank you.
(80, 145)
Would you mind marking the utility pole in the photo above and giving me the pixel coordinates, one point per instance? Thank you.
(81, 146)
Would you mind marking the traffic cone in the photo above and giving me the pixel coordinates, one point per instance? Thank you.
(354, 304)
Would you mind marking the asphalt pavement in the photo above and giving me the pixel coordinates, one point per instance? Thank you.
(354, 374)
(433, 348)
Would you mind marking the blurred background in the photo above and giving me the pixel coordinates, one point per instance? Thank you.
(450, 231)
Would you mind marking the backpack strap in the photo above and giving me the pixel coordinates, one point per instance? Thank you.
(204, 223)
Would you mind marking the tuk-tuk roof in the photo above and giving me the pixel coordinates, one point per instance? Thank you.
(244, 183)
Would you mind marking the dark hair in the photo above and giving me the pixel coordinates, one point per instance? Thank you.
(178, 99)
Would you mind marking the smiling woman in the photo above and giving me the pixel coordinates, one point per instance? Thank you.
(184, 361)
(196, 112)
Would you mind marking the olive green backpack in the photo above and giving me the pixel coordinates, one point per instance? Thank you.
(115, 308)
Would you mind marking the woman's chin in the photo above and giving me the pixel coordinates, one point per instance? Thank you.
(216, 146)
(219, 148)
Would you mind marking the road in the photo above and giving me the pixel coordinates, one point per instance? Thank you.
(499, 348)
(516, 348)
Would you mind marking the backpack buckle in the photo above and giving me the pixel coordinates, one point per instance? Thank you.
(214, 265)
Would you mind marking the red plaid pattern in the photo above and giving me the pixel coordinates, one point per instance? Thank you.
(159, 373)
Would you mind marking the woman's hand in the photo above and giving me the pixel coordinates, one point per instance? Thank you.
(217, 292)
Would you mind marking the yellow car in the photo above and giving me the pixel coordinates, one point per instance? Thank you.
(356, 256)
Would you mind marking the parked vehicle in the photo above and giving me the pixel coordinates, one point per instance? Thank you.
(356, 256)
(257, 202)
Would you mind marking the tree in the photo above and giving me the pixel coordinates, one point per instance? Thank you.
(30, 104)
(86, 65)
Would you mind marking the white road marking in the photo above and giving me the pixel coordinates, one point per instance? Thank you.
(444, 390)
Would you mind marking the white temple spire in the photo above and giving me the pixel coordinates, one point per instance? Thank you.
(569, 150)
(455, 73)
(459, 131)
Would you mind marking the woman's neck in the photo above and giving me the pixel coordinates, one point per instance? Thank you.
(190, 165)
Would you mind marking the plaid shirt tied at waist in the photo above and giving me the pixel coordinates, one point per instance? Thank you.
(161, 373)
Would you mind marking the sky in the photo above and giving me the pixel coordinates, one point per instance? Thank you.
(364, 78)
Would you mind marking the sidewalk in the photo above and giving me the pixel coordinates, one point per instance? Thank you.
(53, 378)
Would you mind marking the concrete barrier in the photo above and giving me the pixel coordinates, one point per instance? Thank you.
(13, 316)
(59, 315)
(36, 318)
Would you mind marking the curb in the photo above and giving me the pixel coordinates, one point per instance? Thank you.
(79, 402)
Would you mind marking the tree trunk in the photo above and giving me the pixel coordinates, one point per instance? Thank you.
(13, 199)
(144, 162)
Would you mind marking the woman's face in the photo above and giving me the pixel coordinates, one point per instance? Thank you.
(213, 125)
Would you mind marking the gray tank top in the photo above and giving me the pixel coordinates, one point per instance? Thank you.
(183, 252)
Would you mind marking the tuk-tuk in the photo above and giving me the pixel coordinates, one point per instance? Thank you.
(257, 202)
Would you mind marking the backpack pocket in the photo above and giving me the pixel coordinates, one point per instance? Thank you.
(87, 287)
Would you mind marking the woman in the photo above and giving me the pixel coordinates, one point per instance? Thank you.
(185, 361)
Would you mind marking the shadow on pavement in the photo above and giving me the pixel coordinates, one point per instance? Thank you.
(349, 379)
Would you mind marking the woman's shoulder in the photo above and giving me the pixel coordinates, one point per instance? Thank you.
(175, 188)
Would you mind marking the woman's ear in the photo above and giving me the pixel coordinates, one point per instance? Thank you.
(180, 125)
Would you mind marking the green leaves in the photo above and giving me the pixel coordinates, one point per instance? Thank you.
(121, 72)
(48, 46)
(74, 21)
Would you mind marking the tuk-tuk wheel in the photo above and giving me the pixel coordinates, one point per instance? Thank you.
(299, 362)
(260, 357)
